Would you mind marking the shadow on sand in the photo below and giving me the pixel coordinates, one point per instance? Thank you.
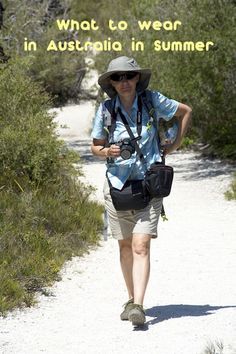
(83, 147)
(165, 313)
(189, 166)
(198, 167)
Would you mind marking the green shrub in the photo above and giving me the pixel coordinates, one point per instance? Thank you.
(29, 147)
(28, 144)
(39, 231)
(60, 73)
(204, 80)
(187, 143)
(46, 216)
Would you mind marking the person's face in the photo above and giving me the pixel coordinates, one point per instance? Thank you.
(125, 83)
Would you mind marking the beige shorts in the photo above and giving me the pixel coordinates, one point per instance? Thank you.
(125, 223)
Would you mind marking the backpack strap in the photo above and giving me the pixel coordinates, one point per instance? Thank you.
(139, 116)
(147, 101)
(109, 117)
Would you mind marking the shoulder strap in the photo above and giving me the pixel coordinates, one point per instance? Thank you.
(109, 117)
(139, 116)
(147, 101)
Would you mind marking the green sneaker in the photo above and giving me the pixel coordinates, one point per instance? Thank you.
(127, 307)
(137, 315)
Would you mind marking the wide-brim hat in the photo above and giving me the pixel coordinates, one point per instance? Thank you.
(123, 64)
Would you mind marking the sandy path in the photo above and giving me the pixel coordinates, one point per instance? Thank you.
(191, 298)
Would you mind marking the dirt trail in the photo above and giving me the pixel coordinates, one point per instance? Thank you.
(191, 297)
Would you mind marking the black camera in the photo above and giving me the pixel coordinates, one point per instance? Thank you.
(127, 147)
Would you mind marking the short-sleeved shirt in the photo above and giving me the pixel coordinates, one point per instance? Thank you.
(119, 170)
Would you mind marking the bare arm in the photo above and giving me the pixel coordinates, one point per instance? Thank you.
(183, 115)
(99, 150)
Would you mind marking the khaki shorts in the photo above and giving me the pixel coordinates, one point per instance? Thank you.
(125, 223)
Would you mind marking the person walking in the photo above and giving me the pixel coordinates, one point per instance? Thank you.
(125, 82)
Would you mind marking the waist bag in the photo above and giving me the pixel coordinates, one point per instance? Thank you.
(133, 195)
(158, 180)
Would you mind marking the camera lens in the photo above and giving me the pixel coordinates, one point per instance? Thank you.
(125, 153)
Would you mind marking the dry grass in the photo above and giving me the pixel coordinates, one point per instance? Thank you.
(216, 347)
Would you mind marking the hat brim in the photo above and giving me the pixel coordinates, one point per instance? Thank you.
(105, 83)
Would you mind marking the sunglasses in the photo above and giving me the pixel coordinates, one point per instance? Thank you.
(126, 76)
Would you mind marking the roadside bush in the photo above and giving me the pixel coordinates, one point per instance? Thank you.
(29, 148)
(46, 216)
(60, 73)
(204, 80)
(40, 230)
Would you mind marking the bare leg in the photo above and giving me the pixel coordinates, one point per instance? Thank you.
(126, 261)
(141, 265)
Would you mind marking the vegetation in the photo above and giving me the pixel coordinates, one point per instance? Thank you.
(60, 73)
(216, 347)
(45, 214)
(231, 193)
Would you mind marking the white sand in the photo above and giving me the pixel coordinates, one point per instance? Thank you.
(191, 297)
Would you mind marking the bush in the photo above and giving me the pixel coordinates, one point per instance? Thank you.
(28, 145)
(204, 80)
(60, 73)
(40, 230)
(45, 213)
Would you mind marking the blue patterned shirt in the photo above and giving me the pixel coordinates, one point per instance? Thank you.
(119, 170)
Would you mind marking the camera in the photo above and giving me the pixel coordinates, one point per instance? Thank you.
(127, 147)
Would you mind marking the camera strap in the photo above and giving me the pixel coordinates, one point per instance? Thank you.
(109, 113)
(134, 140)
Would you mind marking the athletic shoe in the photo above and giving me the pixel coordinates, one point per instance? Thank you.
(127, 307)
(137, 315)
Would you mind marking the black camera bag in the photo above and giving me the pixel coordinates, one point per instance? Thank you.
(133, 196)
(158, 180)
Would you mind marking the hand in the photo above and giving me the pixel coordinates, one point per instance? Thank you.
(168, 148)
(113, 151)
